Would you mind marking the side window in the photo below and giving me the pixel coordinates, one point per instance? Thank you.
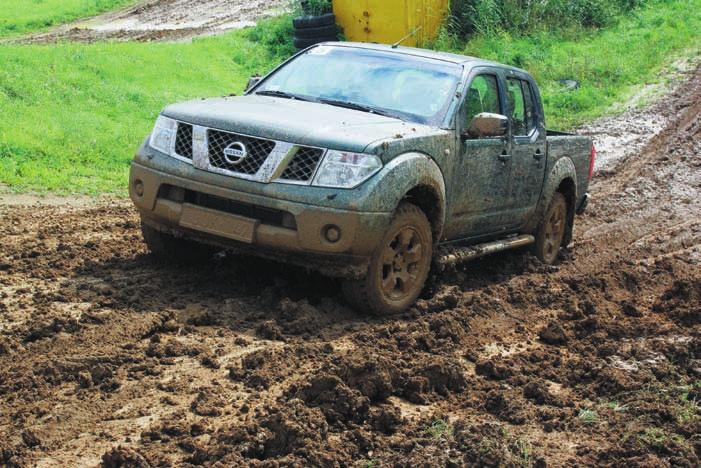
(483, 96)
(521, 110)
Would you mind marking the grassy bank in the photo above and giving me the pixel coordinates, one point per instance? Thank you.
(24, 16)
(72, 114)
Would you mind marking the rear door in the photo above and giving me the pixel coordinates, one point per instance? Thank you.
(482, 170)
(528, 147)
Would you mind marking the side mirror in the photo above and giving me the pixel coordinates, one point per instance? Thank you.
(252, 81)
(486, 124)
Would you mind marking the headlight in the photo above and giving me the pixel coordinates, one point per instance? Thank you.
(346, 170)
(163, 135)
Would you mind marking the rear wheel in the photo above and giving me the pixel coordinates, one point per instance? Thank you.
(399, 268)
(552, 230)
(172, 249)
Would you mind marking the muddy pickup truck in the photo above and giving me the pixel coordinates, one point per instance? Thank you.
(366, 162)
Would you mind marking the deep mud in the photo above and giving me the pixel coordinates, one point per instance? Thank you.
(153, 20)
(107, 357)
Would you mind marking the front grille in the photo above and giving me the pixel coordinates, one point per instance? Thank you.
(303, 164)
(183, 140)
(257, 151)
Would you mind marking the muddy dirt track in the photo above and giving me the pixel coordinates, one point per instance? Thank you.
(152, 20)
(108, 357)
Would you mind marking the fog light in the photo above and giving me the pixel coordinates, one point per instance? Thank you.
(138, 188)
(332, 233)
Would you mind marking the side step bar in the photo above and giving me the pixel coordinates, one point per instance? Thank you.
(449, 256)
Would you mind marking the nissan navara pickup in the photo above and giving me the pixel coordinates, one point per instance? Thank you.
(366, 162)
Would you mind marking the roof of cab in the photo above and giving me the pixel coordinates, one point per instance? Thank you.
(425, 53)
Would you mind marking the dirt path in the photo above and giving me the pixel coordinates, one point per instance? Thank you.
(108, 356)
(151, 20)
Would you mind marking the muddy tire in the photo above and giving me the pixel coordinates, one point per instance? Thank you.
(172, 249)
(305, 22)
(399, 267)
(551, 231)
(325, 32)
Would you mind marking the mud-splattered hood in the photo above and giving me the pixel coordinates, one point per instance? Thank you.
(298, 122)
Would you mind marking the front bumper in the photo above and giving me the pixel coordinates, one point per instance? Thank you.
(284, 230)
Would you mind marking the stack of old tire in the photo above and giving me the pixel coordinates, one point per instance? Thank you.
(314, 26)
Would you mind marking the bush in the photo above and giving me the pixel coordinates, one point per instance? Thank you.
(276, 34)
(315, 7)
(488, 17)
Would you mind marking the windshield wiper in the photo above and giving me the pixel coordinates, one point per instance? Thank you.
(356, 106)
(284, 94)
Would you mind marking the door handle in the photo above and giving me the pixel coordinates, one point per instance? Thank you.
(504, 156)
(538, 155)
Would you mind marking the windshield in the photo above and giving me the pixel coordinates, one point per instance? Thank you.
(403, 86)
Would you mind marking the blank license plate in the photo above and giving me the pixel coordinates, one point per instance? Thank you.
(220, 224)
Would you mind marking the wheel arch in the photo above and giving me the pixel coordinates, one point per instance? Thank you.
(429, 201)
(416, 178)
(562, 177)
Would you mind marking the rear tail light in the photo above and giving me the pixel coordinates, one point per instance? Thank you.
(592, 160)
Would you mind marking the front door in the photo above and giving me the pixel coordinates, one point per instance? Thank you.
(482, 168)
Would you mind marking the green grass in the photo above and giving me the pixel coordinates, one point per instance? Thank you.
(23, 16)
(608, 63)
(73, 114)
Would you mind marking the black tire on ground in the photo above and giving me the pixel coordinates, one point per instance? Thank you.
(323, 31)
(303, 22)
(172, 249)
(398, 269)
(551, 230)
(308, 42)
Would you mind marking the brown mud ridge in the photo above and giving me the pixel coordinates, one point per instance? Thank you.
(156, 20)
(107, 357)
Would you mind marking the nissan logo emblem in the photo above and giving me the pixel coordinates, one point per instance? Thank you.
(235, 153)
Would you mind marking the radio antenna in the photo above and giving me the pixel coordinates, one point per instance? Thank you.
(396, 44)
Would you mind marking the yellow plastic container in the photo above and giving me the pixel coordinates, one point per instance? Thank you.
(387, 21)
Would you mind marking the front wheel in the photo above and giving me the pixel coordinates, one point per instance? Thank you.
(551, 230)
(399, 267)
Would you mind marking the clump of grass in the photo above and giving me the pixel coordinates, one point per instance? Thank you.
(688, 410)
(654, 437)
(524, 453)
(617, 407)
(440, 428)
(588, 416)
